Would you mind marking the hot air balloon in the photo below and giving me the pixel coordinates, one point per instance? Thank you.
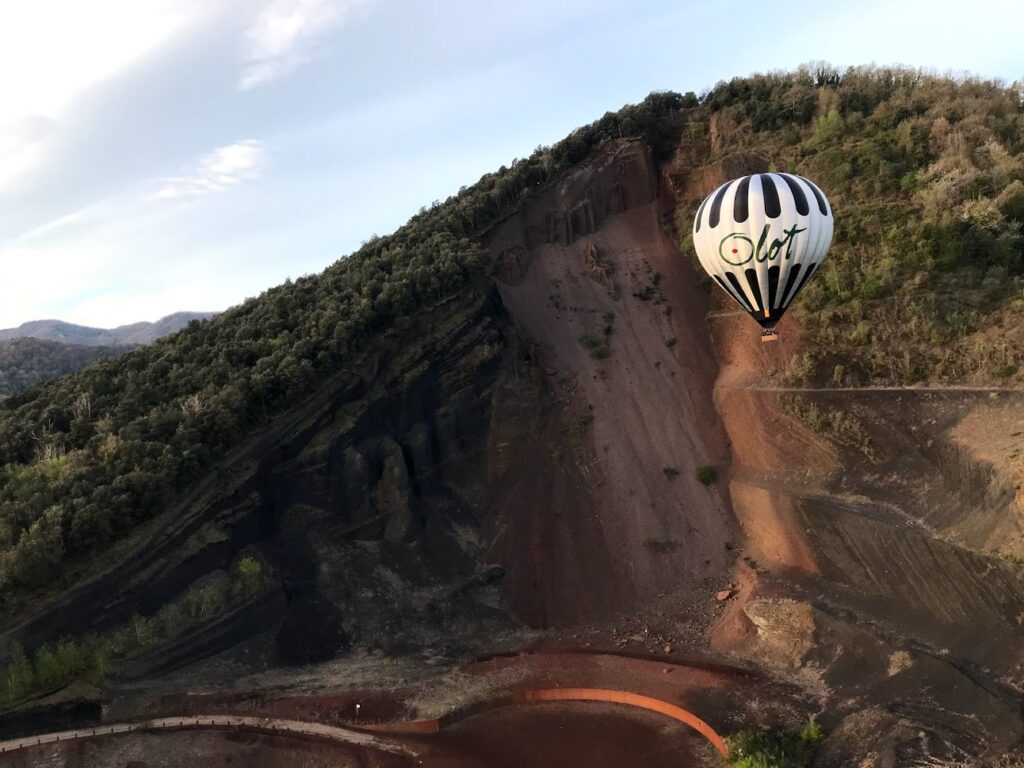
(761, 238)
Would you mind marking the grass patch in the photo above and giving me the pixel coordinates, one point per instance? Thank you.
(646, 294)
(841, 426)
(707, 475)
(596, 345)
(662, 546)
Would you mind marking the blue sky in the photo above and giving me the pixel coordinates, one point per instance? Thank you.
(164, 155)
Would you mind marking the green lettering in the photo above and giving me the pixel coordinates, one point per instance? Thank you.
(791, 239)
(760, 244)
(738, 252)
(737, 249)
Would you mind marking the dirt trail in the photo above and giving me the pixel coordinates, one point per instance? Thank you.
(753, 387)
(869, 538)
(205, 722)
(579, 707)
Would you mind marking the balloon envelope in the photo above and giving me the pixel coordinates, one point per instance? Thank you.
(761, 238)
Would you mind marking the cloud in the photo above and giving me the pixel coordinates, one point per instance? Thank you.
(87, 213)
(52, 51)
(279, 38)
(220, 169)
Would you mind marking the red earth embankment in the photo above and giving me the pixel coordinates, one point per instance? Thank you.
(602, 509)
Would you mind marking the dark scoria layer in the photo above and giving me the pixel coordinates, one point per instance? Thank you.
(362, 501)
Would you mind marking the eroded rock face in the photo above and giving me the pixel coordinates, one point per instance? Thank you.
(783, 632)
(363, 501)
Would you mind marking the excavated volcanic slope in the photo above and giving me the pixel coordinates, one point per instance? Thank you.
(873, 567)
(613, 316)
(527, 455)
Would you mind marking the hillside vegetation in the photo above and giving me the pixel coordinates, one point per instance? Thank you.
(85, 459)
(925, 174)
(25, 362)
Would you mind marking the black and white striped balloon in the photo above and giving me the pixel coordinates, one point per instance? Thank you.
(761, 238)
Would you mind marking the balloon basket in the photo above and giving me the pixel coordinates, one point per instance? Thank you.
(769, 334)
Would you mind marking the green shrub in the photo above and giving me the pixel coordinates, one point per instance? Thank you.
(707, 475)
(661, 546)
(778, 748)
(597, 345)
(646, 294)
(250, 575)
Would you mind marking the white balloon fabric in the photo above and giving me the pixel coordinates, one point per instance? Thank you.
(761, 238)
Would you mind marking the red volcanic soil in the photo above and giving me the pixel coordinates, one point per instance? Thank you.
(556, 735)
(600, 508)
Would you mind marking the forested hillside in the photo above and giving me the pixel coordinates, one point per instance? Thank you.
(24, 362)
(925, 175)
(87, 458)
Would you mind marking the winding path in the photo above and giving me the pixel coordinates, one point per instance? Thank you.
(297, 728)
(364, 737)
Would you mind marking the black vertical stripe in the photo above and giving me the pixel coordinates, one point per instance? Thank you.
(739, 203)
(754, 286)
(794, 273)
(739, 291)
(798, 194)
(716, 206)
(738, 298)
(700, 213)
(818, 196)
(773, 284)
(772, 206)
(807, 276)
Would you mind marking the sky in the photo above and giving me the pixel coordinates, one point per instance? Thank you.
(167, 155)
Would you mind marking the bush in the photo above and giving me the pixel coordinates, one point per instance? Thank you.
(250, 575)
(774, 748)
(597, 345)
(707, 475)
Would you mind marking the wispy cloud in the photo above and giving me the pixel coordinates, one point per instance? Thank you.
(87, 213)
(279, 39)
(220, 169)
(52, 51)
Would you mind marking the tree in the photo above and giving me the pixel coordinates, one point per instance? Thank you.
(19, 677)
(250, 575)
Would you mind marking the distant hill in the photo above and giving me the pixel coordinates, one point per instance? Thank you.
(41, 350)
(133, 334)
(24, 362)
